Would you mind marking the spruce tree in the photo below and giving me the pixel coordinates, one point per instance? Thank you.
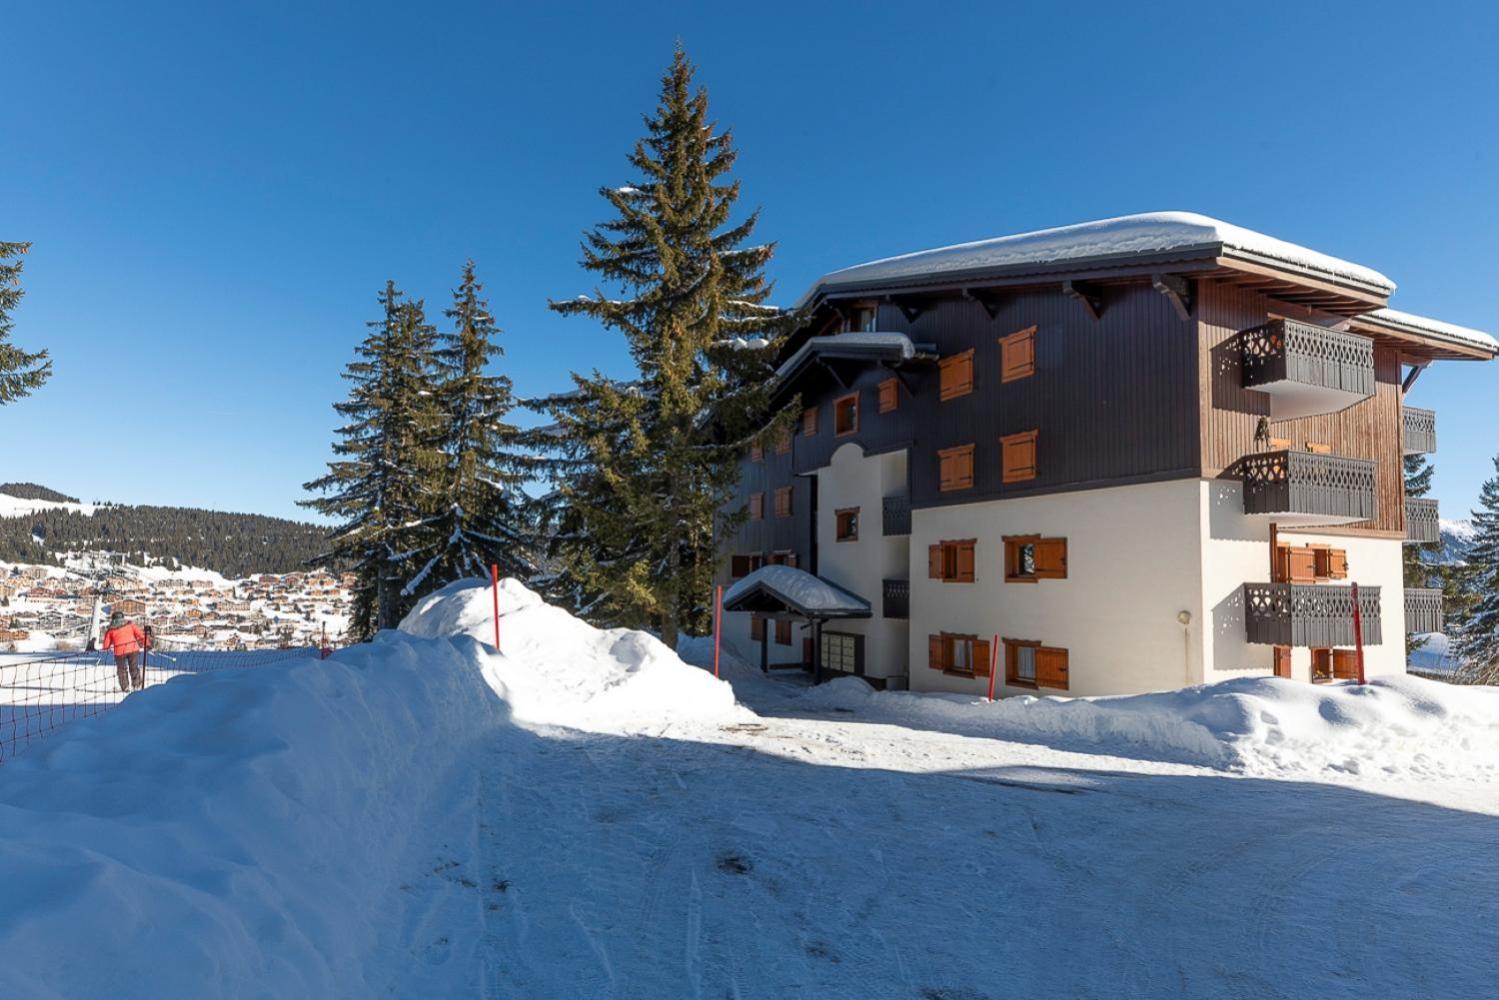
(21, 373)
(378, 489)
(656, 457)
(1477, 638)
(1419, 561)
(481, 511)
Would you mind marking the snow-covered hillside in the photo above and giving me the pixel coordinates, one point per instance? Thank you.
(16, 507)
(1457, 541)
(586, 815)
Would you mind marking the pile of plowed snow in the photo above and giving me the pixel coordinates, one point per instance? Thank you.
(1402, 727)
(556, 669)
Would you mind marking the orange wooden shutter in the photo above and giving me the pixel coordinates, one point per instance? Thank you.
(1283, 661)
(1019, 451)
(965, 562)
(981, 657)
(1337, 564)
(757, 450)
(1017, 355)
(889, 395)
(809, 421)
(756, 506)
(955, 468)
(1321, 663)
(935, 646)
(956, 375)
(1301, 565)
(1051, 668)
(1318, 448)
(783, 440)
(739, 566)
(791, 559)
(934, 562)
(1280, 444)
(757, 628)
(1051, 558)
(1345, 664)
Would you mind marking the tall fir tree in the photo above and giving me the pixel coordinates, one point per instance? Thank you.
(1477, 639)
(1420, 562)
(654, 459)
(21, 373)
(379, 488)
(482, 514)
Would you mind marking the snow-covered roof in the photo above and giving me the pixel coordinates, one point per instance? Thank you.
(893, 347)
(1151, 233)
(799, 591)
(1433, 328)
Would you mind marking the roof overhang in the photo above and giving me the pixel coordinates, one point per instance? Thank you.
(781, 591)
(844, 355)
(1426, 339)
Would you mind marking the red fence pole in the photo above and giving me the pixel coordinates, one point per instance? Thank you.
(494, 573)
(993, 664)
(717, 623)
(1358, 635)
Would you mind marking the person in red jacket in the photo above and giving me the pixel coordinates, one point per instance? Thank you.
(128, 641)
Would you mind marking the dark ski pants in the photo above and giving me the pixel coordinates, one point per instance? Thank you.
(128, 666)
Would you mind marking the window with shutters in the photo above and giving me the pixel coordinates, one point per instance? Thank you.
(956, 375)
(955, 468)
(1029, 558)
(966, 655)
(785, 557)
(889, 395)
(1321, 665)
(783, 632)
(809, 422)
(846, 415)
(1017, 355)
(846, 524)
(757, 449)
(783, 501)
(1030, 664)
(1310, 563)
(783, 441)
(757, 506)
(739, 566)
(953, 562)
(1345, 664)
(1331, 563)
(1018, 455)
(757, 628)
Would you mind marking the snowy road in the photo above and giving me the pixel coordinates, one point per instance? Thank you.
(825, 857)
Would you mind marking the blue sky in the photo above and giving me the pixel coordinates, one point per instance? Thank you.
(216, 192)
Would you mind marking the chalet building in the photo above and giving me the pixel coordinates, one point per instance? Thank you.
(1144, 452)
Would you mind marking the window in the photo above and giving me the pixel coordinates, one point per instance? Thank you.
(846, 415)
(847, 524)
(739, 566)
(783, 502)
(1017, 355)
(861, 317)
(757, 506)
(785, 557)
(809, 422)
(1310, 563)
(757, 628)
(843, 652)
(956, 375)
(783, 441)
(952, 562)
(783, 631)
(1029, 558)
(1330, 563)
(889, 395)
(1030, 664)
(967, 655)
(1019, 456)
(955, 468)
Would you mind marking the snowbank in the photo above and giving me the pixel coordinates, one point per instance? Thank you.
(559, 670)
(263, 809)
(1396, 727)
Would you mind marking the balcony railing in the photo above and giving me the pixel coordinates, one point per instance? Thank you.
(1423, 610)
(1309, 614)
(1418, 431)
(1423, 523)
(1306, 369)
(897, 511)
(1307, 487)
(897, 599)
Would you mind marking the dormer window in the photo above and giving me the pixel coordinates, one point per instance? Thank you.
(861, 317)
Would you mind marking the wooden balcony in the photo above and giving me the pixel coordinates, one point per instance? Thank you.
(897, 599)
(1303, 488)
(1423, 524)
(1308, 614)
(1306, 369)
(897, 516)
(1418, 431)
(1423, 610)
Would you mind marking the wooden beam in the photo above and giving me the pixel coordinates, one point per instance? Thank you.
(1177, 289)
(988, 300)
(1087, 294)
(1410, 379)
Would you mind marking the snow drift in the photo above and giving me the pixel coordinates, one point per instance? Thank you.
(1395, 727)
(559, 670)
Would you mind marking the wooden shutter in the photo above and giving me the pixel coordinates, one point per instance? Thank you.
(956, 375)
(889, 395)
(1318, 448)
(757, 628)
(1017, 354)
(1019, 454)
(1283, 661)
(1280, 444)
(757, 506)
(965, 562)
(1051, 558)
(791, 559)
(1301, 565)
(981, 657)
(783, 440)
(936, 652)
(757, 449)
(1321, 664)
(783, 502)
(739, 566)
(1345, 664)
(809, 422)
(955, 468)
(934, 562)
(783, 632)
(1051, 668)
(1337, 564)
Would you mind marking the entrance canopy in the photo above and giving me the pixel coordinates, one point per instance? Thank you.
(788, 591)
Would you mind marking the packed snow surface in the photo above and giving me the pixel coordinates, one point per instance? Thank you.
(1152, 232)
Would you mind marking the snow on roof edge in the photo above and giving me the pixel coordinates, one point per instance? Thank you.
(1428, 327)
